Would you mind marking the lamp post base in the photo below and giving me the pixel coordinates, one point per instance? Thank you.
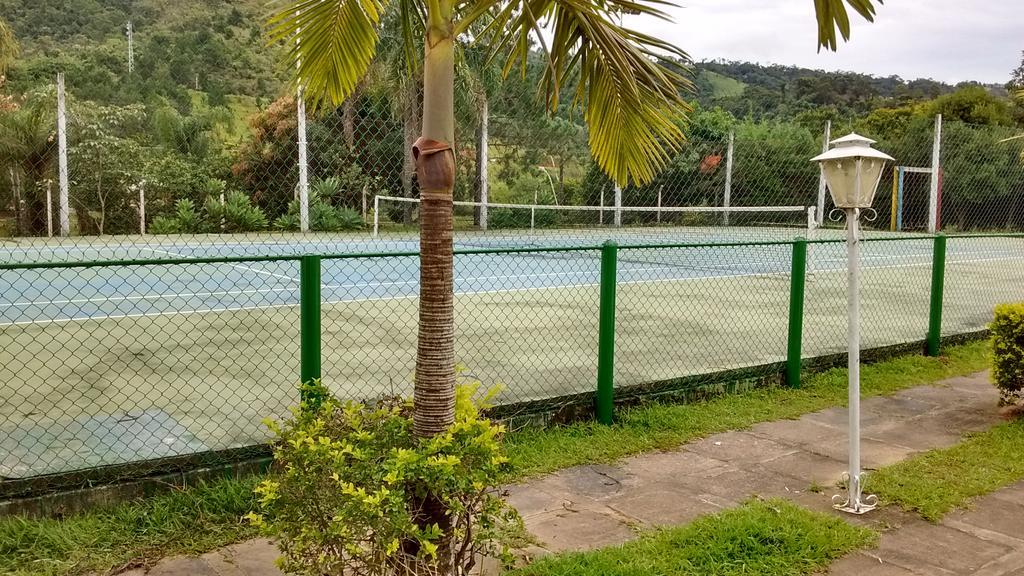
(855, 502)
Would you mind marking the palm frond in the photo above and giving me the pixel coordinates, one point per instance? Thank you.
(832, 16)
(331, 44)
(631, 103)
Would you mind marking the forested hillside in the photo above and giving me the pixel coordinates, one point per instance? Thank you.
(206, 111)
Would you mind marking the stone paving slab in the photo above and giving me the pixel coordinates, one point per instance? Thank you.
(588, 507)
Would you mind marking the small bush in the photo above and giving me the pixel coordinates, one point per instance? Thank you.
(353, 478)
(506, 218)
(184, 220)
(322, 217)
(1008, 351)
(236, 214)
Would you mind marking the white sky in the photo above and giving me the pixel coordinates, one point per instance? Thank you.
(947, 40)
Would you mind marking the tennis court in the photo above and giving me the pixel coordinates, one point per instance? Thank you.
(106, 365)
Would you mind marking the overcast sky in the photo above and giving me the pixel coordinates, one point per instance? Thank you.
(948, 40)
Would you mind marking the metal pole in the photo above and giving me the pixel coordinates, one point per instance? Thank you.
(853, 360)
(62, 158)
(142, 208)
(483, 159)
(659, 203)
(933, 193)
(899, 199)
(934, 339)
(895, 192)
(606, 335)
(797, 280)
(131, 49)
(309, 319)
(49, 208)
(364, 203)
(821, 174)
(600, 213)
(303, 161)
(618, 205)
(376, 215)
(855, 503)
(727, 194)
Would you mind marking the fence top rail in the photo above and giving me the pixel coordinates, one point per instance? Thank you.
(461, 251)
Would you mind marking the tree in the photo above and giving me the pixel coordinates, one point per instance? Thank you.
(972, 104)
(8, 47)
(632, 106)
(27, 153)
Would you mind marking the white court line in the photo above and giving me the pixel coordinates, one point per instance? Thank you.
(473, 293)
(143, 297)
(239, 266)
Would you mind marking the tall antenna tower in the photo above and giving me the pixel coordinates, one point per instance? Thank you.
(131, 49)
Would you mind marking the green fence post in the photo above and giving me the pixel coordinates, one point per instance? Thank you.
(797, 281)
(606, 335)
(938, 283)
(309, 320)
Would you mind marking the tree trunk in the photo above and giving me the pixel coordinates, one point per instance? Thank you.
(561, 182)
(435, 167)
(348, 122)
(434, 392)
(411, 131)
(482, 138)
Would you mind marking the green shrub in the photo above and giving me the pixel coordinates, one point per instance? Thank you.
(505, 218)
(1008, 351)
(184, 220)
(322, 217)
(352, 479)
(236, 214)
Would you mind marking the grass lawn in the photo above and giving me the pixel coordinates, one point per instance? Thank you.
(206, 517)
(769, 538)
(666, 426)
(937, 481)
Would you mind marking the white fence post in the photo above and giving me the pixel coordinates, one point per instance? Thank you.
(482, 159)
(600, 212)
(62, 158)
(303, 164)
(618, 205)
(376, 215)
(933, 192)
(659, 203)
(820, 214)
(300, 105)
(727, 196)
(49, 208)
(142, 208)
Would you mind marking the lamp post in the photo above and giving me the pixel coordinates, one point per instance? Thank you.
(852, 170)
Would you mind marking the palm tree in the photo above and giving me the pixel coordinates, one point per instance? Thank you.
(8, 47)
(27, 151)
(631, 104)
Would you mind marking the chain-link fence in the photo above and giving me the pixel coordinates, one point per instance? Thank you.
(120, 367)
(153, 180)
(152, 228)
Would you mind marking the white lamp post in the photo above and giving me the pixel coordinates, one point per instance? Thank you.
(852, 170)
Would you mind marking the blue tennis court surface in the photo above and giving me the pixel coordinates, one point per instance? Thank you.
(74, 294)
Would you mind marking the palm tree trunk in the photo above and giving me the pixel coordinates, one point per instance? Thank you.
(434, 393)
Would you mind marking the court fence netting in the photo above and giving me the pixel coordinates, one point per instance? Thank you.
(114, 368)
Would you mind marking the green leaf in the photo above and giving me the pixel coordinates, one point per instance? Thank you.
(629, 88)
(832, 16)
(331, 44)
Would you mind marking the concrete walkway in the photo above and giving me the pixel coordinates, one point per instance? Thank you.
(593, 506)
